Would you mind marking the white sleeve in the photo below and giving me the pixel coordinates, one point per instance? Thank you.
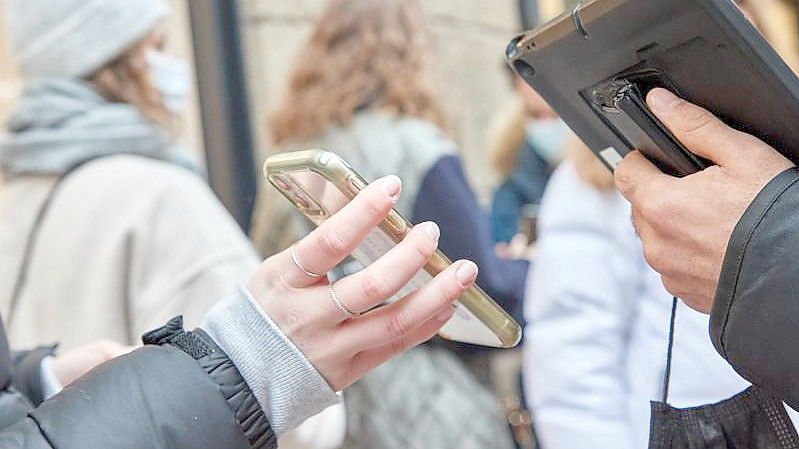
(51, 386)
(579, 316)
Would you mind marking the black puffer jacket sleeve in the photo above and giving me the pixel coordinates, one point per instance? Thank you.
(179, 392)
(755, 319)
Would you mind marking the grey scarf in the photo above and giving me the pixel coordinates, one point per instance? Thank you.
(59, 123)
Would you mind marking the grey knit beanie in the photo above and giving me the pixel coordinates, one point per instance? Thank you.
(74, 38)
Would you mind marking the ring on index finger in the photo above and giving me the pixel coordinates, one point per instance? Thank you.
(298, 264)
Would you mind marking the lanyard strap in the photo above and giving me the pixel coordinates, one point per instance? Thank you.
(670, 351)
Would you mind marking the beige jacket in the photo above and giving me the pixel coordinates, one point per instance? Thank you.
(127, 244)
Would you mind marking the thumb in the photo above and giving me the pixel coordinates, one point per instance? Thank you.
(699, 130)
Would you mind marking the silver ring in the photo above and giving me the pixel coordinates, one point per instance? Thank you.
(331, 291)
(300, 266)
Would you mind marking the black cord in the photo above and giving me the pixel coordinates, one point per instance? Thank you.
(669, 352)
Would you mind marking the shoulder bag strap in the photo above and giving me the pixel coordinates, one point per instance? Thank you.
(33, 235)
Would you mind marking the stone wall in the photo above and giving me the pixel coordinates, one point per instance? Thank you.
(469, 41)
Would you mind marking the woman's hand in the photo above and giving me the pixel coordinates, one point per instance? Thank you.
(73, 364)
(343, 347)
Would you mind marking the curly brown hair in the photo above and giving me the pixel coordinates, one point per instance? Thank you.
(362, 54)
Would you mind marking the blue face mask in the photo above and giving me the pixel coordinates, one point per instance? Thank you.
(172, 78)
(548, 138)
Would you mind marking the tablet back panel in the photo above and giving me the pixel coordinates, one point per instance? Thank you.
(704, 50)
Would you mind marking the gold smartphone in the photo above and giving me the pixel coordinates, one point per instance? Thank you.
(319, 183)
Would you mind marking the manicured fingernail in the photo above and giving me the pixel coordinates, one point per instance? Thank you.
(446, 315)
(432, 230)
(661, 99)
(392, 186)
(466, 273)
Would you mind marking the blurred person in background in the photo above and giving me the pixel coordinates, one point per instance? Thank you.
(596, 350)
(104, 233)
(526, 145)
(359, 88)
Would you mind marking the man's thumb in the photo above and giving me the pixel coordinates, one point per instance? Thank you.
(699, 130)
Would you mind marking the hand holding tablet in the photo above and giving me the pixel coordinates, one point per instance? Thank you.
(685, 224)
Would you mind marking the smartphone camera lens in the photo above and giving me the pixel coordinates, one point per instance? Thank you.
(282, 183)
(297, 195)
(302, 201)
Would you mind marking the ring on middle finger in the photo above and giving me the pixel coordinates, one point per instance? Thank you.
(340, 305)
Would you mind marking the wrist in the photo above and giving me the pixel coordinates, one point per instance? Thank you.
(282, 379)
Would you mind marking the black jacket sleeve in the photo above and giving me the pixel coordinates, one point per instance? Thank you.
(755, 316)
(179, 392)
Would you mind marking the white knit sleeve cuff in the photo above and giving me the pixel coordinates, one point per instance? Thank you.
(282, 379)
(51, 386)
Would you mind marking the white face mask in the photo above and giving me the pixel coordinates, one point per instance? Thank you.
(548, 138)
(172, 78)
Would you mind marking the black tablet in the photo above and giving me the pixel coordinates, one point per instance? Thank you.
(595, 65)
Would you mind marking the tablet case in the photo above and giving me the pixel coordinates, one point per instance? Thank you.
(596, 63)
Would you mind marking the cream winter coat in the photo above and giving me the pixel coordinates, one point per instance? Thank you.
(128, 243)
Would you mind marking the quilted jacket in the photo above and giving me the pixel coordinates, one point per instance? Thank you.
(179, 391)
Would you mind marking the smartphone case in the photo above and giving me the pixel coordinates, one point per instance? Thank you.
(596, 63)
